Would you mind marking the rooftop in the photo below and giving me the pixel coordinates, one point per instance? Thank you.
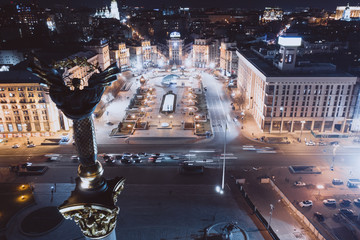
(18, 76)
(308, 70)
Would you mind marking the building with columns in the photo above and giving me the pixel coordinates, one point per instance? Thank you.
(285, 96)
(347, 13)
(143, 55)
(25, 107)
(228, 58)
(201, 55)
(121, 55)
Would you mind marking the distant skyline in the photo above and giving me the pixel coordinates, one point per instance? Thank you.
(258, 4)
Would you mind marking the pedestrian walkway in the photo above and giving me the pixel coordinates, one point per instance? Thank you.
(283, 222)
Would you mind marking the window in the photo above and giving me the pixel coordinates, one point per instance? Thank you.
(10, 127)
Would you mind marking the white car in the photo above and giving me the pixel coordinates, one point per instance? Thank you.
(357, 201)
(306, 203)
(329, 202)
(299, 184)
(310, 143)
(16, 146)
(31, 145)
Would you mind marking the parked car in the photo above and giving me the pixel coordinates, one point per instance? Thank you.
(347, 212)
(345, 202)
(310, 143)
(15, 146)
(357, 201)
(127, 154)
(299, 184)
(322, 144)
(334, 143)
(337, 181)
(329, 202)
(306, 203)
(31, 145)
(319, 216)
(75, 158)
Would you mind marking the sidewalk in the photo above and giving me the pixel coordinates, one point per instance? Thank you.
(283, 221)
(253, 132)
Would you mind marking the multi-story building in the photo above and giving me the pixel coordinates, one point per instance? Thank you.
(228, 58)
(121, 55)
(201, 56)
(272, 14)
(285, 97)
(82, 72)
(11, 57)
(347, 13)
(144, 55)
(101, 48)
(26, 108)
(175, 45)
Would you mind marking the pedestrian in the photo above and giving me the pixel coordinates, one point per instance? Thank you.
(52, 191)
(55, 187)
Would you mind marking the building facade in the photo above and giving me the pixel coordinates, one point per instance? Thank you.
(318, 99)
(272, 14)
(228, 58)
(121, 55)
(347, 13)
(26, 108)
(201, 55)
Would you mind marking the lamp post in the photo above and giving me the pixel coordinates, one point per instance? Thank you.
(333, 157)
(302, 127)
(271, 212)
(282, 116)
(319, 187)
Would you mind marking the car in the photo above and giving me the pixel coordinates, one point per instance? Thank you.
(310, 143)
(322, 143)
(334, 143)
(152, 159)
(142, 154)
(75, 158)
(319, 216)
(127, 154)
(299, 184)
(345, 202)
(118, 157)
(357, 201)
(15, 146)
(126, 160)
(347, 212)
(306, 203)
(337, 181)
(31, 145)
(329, 202)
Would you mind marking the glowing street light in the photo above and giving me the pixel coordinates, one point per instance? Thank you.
(319, 187)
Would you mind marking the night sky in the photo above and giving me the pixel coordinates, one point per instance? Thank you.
(285, 4)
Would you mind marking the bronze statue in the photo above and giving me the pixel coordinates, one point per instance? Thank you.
(92, 203)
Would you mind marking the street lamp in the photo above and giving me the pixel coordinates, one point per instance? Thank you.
(302, 127)
(333, 158)
(282, 116)
(319, 187)
(271, 212)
